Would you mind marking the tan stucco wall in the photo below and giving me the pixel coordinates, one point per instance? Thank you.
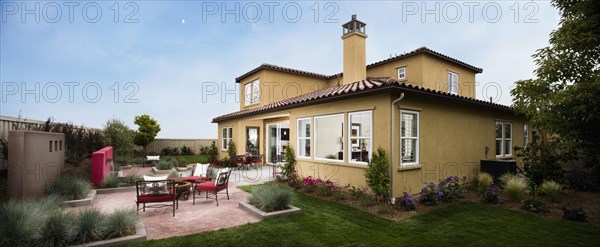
(355, 58)
(33, 162)
(276, 86)
(428, 71)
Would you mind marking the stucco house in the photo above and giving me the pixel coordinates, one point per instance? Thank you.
(420, 107)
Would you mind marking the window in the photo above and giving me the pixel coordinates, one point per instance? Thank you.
(401, 73)
(329, 137)
(525, 135)
(251, 92)
(252, 144)
(409, 137)
(226, 134)
(503, 139)
(359, 149)
(303, 137)
(452, 82)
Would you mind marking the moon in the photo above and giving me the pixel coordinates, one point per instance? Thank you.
(182, 21)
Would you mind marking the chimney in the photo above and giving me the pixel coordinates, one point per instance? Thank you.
(355, 61)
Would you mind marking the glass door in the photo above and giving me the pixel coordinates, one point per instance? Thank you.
(278, 138)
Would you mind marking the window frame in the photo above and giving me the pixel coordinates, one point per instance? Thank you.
(525, 135)
(299, 138)
(316, 145)
(226, 137)
(403, 68)
(451, 83)
(370, 138)
(503, 139)
(252, 96)
(417, 138)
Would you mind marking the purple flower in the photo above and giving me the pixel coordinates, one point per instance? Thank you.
(439, 194)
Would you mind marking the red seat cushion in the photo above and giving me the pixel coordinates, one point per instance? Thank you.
(163, 198)
(197, 178)
(210, 186)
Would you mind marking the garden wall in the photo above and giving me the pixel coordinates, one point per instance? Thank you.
(35, 158)
(194, 144)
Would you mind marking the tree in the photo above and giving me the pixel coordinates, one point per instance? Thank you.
(147, 130)
(119, 136)
(377, 175)
(564, 98)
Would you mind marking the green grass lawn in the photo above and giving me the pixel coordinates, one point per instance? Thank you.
(323, 223)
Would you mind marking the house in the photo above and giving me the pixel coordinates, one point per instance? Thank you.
(420, 107)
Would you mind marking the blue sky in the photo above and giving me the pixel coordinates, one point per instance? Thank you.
(98, 60)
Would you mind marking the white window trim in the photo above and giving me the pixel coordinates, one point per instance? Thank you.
(525, 135)
(370, 138)
(317, 138)
(417, 152)
(403, 68)
(225, 140)
(298, 138)
(249, 96)
(502, 139)
(451, 74)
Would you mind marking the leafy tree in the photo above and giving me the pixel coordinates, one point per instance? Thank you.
(147, 131)
(564, 98)
(377, 175)
(232, 152)
(119, 136)
(290, 163)
(213, 153)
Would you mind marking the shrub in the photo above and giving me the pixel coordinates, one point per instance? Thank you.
(574, 214)
(70, 188)
(339, 195)
(89, 225)
(131, 179)
(534, 205)
(271, 198)
(492, 195)
(384, 209)
(377, 175)
(120, 222)
(20, 220)
(169, 151)
(451, 189)
(164, 165)
(582, 181)
(430, 194)
(118, 135)
(111, 181)
(366, 200)
(173, 174)
(515, 186)
(551, 189)
(213, 153)
(484, 180)
(180, 162)
(324, 188)
(204, 150)
(186, 151)
(294, 181)
(540, 167)
(408, 202)
(290, 163)
(232, 152)
(57, 229)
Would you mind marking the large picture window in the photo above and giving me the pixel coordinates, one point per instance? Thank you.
(359, 148)
(452, 82)
(329, 137)
(503, 139)
(303, 137)
(409, 137)
(251, 92)
(226, 137)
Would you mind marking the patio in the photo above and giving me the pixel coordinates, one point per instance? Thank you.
(189, 219)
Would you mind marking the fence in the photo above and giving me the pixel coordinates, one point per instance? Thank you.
(194, 144)
(10, 123)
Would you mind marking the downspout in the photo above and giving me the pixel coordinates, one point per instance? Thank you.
(392, 165)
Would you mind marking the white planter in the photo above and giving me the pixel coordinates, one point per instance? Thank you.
(264, 215)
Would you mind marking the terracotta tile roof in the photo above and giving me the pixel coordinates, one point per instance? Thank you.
(280, 68)
(430, 52)
(322, 76)
(368, 86)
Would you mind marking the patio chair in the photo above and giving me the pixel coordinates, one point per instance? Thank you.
(221, 183)
(160, 192)
(199, 173)
(255, 160)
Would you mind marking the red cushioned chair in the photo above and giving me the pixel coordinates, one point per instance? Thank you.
(199, 174)
(221, 183)
(161, 192)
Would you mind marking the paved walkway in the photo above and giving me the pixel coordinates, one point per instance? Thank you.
(189, 219)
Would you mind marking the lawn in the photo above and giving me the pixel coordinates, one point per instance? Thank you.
(323, 223)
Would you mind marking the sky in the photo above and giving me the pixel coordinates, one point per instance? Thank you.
(89, 62)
